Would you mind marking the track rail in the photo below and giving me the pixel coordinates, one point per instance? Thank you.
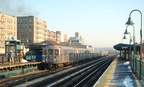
(76, 77)
(85, 77)
(93, 76)
(20, 79)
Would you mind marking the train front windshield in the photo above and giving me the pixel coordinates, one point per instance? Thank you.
(50, 55)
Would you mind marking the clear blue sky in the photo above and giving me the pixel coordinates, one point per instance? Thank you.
(100, 22)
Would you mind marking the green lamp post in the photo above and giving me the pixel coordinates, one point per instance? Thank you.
(124, 37)
(129, 22)
(134, 44)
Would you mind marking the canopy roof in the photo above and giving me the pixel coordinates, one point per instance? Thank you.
(12, 40)
(42, 44)
(122, 46)
(45, 43)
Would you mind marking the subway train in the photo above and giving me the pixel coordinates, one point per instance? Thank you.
(57, 55)
(61, 55)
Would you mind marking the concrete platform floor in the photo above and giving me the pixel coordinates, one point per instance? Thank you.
(119, 74)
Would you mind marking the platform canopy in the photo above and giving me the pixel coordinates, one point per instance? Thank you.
(12, 40)
(122, 46)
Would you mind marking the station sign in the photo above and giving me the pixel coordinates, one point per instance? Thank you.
(124, 48)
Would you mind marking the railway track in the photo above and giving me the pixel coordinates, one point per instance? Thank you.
(16, 80)
(73, 75)
(80, 76)
(85, 77)
(90, 79)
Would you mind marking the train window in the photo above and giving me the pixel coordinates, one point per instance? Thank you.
(56, 52)
(66, 52)
(45, 52)
(50, 51)
(62, 51)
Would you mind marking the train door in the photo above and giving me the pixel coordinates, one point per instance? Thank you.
(56, 55)
(44, 56)
(50, 55)
(53, 55)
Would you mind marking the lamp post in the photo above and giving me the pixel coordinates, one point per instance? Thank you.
(126, 32)
(129, 22)
(134, 45)
(124, 37)
(129, 44)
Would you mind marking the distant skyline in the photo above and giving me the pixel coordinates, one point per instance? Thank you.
(100, 22)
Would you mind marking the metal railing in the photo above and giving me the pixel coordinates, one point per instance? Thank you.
(135, 65)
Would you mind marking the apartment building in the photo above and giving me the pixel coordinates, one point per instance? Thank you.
(58, 36)
(65, 38)
(34, 30)
(54, 36)
(31, 29)
(8, 29)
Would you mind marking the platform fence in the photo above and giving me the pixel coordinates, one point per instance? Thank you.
(137, 66)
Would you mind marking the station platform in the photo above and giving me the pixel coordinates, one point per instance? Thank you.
(119, 74)
(5, 66)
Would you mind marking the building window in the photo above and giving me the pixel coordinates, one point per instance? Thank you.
(30, 26)
(30, 21)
